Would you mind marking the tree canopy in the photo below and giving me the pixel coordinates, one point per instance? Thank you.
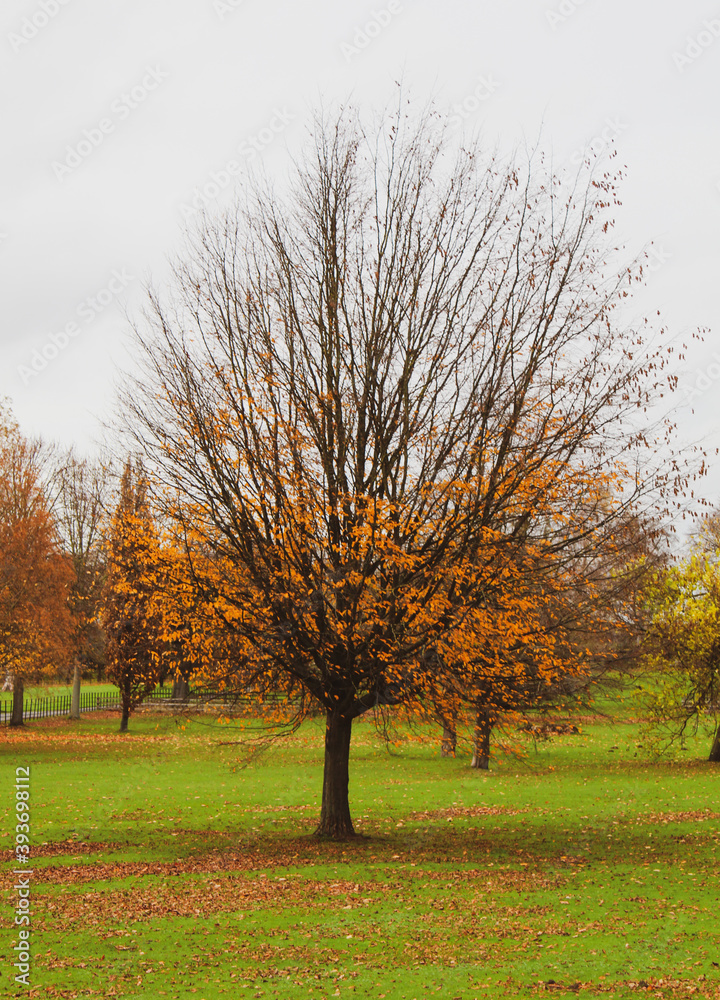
(390, 413)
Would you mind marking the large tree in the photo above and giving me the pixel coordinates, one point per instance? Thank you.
(368, 397)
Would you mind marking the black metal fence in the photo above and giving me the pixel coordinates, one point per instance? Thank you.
(234, 702)
(44, 708)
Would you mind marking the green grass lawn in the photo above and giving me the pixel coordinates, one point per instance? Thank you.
(165, 865)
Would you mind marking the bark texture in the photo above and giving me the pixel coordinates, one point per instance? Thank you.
(483, 729)
(335, 820)
(75, 703)
(18, 697)
(715, 752)
(181, 689)
(449, 741)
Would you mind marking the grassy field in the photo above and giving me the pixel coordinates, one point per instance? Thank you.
(167, 866)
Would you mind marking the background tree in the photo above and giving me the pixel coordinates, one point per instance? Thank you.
(556, 627)
(367, 398)
(683, 650)
(36, 633)
(81, 490)
(508, 655)
(708, 536)
(132, 600)
(581, 630)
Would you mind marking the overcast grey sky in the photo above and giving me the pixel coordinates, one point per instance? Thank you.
(120, 114)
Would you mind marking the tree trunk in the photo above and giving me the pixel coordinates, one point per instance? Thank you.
(449, 739)
(715, 752)
(124, 718)
(75, 703)
(483, 729)
(180, 690)
(335, 821)
(18, 697)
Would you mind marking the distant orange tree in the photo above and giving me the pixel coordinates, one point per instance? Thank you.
(132, 602)
(36, 579)
(563, 623)
(368, 401)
